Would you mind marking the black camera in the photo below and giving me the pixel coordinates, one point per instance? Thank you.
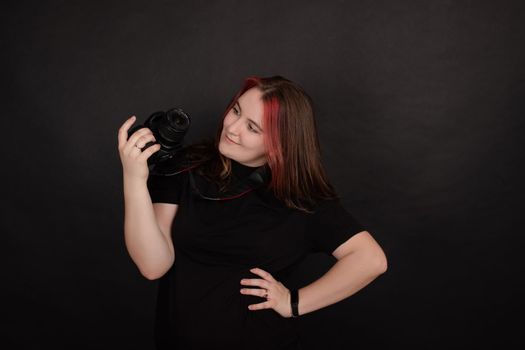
(169, 129)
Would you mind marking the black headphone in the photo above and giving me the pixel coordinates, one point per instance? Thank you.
(208, 190)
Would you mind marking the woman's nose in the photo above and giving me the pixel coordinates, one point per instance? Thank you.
(233, 128)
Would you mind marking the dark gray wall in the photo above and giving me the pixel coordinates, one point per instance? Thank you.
(420, 108)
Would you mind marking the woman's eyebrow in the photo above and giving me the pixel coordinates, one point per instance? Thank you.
(253, 121)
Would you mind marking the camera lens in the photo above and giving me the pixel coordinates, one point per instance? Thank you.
(175, 125)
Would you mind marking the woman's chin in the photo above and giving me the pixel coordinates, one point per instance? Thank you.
(223, 151)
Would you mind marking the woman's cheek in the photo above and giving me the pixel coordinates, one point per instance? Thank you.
(226, 121)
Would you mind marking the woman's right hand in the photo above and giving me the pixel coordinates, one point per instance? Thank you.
(134, 161)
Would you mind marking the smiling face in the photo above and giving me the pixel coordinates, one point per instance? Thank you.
(242, 130)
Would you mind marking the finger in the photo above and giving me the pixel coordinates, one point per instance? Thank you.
(149, 151)
(260, 306)
(123, 131)
(141, 142)
(132, 141)
(255, 291)
(263, 274)
(256, 282)
(138, 134)
(134, 153)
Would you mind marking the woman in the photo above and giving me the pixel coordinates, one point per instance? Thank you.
(223, 264)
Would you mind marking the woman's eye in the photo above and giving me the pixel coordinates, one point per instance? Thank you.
(250, 127)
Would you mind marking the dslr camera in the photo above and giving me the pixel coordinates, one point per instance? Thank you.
(169, 129)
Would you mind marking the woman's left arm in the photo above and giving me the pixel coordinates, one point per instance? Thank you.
(360, 260)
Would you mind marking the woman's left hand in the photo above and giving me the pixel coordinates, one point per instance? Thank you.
(277, 295)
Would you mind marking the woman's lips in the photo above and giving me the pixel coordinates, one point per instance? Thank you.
(229, 140)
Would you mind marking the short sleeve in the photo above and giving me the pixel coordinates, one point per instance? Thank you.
(165, 189)
(331, 225)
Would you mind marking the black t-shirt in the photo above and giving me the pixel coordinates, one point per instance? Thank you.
(199, 304)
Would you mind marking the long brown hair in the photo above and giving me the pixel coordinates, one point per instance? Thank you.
(291, 142)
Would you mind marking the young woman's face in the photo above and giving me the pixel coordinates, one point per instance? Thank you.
(242, 133)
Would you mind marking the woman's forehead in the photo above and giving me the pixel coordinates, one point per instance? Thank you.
(251, 104)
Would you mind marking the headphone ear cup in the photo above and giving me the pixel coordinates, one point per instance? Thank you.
(260, 176)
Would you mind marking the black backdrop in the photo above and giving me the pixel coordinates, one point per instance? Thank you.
(420, 112)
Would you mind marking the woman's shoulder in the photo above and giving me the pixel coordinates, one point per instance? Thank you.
(316, 206)
(326, 204)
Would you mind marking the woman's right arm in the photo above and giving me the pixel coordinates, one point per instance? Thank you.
(147, 227)
(147, 230)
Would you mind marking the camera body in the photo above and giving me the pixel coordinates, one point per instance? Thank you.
(169, 129)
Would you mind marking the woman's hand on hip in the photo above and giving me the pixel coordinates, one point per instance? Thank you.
(276, 294)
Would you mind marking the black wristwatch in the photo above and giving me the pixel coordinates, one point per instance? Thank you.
(295, 302)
